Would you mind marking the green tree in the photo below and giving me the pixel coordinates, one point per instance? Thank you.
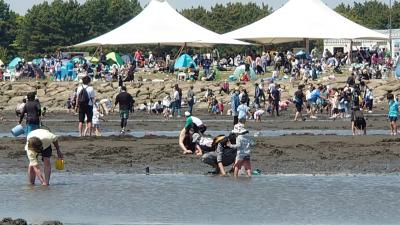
(8, 21)
(101, 16)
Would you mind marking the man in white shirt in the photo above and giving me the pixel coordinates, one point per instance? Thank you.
(84, 104)
(39, 142)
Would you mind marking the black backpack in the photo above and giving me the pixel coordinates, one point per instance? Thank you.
(83, 97)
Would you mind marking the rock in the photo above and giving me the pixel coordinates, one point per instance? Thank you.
(15, 100)
(52, 223)
(9, 221)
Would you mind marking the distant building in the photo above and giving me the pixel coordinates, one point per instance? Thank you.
(340, 45)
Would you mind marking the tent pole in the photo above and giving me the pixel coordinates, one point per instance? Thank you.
(180, 51)
(97, 49)
(307, 45)
(350, 55)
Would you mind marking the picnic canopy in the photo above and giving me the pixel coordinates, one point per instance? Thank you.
(159, 23)
(303, 19)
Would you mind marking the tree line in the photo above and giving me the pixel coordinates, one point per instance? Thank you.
(47, 27)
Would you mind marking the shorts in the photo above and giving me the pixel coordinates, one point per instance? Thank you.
(31, 127)
(393, 118)
(343, 110)
(299, 107)
(47, 152)
(124, 114)
(360, 123)
(85, 111)
(335, 111)
(243, 163)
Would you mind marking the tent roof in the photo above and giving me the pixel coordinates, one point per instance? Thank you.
(299, 19)
(159, 23)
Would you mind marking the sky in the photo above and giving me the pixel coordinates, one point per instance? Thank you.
(21, 6)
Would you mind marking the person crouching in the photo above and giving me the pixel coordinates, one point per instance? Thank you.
(39, 142)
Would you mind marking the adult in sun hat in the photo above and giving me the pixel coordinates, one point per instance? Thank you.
(39, 143)
(223, 155)
(195, 122)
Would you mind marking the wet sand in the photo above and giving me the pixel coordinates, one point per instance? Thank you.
(290, 154)
(293, 154)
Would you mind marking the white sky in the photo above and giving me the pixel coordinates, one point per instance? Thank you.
(21, 6)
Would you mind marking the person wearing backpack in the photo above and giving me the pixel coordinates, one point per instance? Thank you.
(84, 104)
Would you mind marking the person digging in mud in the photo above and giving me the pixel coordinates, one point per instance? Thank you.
(223, 156)
(39, 142)
(195, 122)
(185, 140)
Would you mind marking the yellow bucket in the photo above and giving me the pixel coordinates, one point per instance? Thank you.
(59, 164)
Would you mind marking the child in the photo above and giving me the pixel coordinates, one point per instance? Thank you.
(68, 104)
(242, 147)
(257, 115)
(335, 105)
(214, 106)
(221, 107)
(95, 120)
(393, 113)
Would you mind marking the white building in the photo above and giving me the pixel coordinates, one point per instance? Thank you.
(340, 45)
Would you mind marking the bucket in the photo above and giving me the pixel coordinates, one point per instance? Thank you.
(17, 130)
(59, 164)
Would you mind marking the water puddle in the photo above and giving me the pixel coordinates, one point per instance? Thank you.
(264, 133)
(184, 199)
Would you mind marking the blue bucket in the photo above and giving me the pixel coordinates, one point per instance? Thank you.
(17, 130)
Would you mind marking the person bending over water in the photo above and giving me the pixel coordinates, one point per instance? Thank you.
(39, 142)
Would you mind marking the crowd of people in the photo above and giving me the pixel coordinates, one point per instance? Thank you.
(349, 101)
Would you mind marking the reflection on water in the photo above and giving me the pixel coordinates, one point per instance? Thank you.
(264, 133)
(182, 199)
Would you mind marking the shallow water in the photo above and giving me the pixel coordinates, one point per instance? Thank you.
(183, 199)
(264, 133)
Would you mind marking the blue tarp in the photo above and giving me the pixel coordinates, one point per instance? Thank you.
(184, 61)
(14, 62)
(303, 55)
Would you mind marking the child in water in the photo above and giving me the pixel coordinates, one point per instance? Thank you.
(242, 147)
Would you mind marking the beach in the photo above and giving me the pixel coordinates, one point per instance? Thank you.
(304, 153)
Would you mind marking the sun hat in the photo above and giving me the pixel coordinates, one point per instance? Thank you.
(195, 137)
(239, 129)
(187, 113)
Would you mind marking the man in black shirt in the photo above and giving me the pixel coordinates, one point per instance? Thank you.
(33, 113)
(298, 101)
(125, 101)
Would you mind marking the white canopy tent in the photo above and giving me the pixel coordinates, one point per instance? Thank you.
(303, 19)
(159, 23)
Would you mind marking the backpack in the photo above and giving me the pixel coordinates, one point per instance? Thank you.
(83, 97)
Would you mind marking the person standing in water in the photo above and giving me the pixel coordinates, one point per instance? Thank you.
(393, 113)
(299, 98)
(33, 112)
(125, 102)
